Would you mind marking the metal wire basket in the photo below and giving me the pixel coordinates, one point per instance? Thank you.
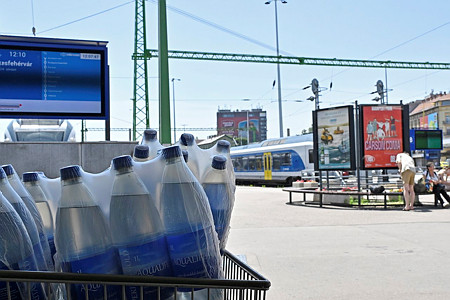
(240, 283)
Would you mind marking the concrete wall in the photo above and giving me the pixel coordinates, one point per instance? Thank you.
(93, 157)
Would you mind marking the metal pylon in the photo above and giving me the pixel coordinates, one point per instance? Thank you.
(141, 116)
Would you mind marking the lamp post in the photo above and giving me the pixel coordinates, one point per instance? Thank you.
(173, 99)
(280, 109)
(248, 129)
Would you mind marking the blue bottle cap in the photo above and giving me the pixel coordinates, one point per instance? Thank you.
(121, 162)
(30, 177)
(223, 146)
(141, 151)
(187, 139)
(219, 162)
(9, 170)
(2, 174)
(150, 134)
(185, 155)
(70, 172)
(171, 152)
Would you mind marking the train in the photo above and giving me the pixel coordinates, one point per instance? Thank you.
(274, 161)
(39, 130)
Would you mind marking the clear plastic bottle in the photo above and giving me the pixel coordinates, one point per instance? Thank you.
(187, 142)
(136, 229)
(219, 190)
(16, 252)
(17, 185)
(223, 147)
(30, 181)
(17, 203)
(82, 236)
(141, 153)
(187, 219)
(152, 142)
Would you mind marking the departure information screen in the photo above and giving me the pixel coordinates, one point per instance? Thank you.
(53, 79)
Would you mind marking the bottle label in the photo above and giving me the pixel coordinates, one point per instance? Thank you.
(104, 263)
(193, 254)
(149, 259)
(37, 291)
(46, 251)
(14, 289)
(51, 243)
(40, 259)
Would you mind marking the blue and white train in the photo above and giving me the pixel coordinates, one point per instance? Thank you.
(276, 161)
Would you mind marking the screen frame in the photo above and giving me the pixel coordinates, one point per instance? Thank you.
(413, 134)
(63, 45)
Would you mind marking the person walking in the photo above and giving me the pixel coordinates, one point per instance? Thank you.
(432, 178)
(407, 171)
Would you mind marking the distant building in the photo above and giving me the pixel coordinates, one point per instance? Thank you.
(234, 123)
(432, 113)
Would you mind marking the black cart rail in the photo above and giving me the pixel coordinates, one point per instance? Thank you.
(241, 282)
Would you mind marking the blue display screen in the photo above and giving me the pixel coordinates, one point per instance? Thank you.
(53, 78)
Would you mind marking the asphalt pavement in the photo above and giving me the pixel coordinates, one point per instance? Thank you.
(333, 252)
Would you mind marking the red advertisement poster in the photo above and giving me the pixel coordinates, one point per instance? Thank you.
(382, 135)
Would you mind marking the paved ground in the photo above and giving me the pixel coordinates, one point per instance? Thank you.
(309, 252)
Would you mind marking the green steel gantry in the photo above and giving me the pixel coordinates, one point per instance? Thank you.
(142, 54)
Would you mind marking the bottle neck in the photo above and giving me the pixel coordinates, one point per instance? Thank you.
(71, 181)
(124, 170)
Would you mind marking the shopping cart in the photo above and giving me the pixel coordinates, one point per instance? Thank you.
(240, 283)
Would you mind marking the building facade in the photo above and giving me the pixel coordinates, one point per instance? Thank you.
(234, 123)
(432, 113)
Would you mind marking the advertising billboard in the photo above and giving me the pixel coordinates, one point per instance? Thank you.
(429, 121)
(53, 78)
(383, 135)
(334, 138)
(235, 124)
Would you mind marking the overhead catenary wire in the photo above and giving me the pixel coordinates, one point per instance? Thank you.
(87, 17)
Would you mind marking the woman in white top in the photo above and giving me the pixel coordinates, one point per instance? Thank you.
(407, 171)
(431, 176)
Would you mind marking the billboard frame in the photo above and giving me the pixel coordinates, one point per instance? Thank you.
(404, 139)
(350, 119)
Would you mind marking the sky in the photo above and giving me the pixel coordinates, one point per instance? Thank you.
(411, 31)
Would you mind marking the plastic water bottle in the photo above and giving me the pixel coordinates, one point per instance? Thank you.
(16, 252)
(223, 147)
(136, 230)
(187, 142)
(152, 142)
(17, 185)
(82, 236)
(141, 153)
(193, 244)
(185, 155)
(19, 206)
(30, 181)
(220, 195)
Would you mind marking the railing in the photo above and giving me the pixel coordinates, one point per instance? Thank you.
(240, 283)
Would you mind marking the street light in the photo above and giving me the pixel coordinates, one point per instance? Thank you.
(173, 97)
(280, 109)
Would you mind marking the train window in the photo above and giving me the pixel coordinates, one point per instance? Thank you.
(286, 159)
(259, 162)
(276, 161)
(251, 163)
(311, 156)
(244, 163)
(237, 162)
